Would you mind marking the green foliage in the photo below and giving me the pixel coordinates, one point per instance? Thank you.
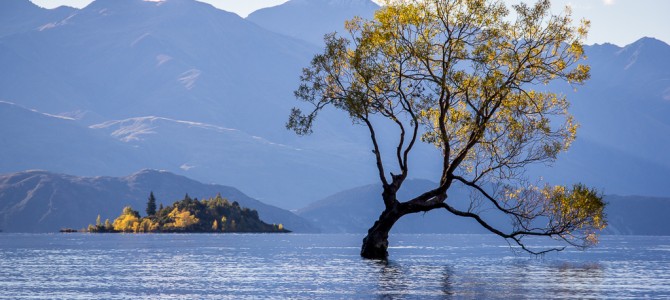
(191, 215)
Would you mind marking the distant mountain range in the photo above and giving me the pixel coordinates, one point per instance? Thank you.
(20, 16)
(34, 140)
(179, 85)
(40, 201)
(116, 59)
(623, 143)
(210, 105)
(310, 20)
(210, 153)
(355, 210)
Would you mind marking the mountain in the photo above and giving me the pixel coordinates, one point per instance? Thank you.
(623, 141)
(40, 201)
(127, 58)
(638, 215)
(355, 210)
(629, 92)
(117, 62)
(122, 85)
(266, 170)
(30, 139)
(607, 169)
(202, 151)
(17, 16)
(309, 20)
(624, 137)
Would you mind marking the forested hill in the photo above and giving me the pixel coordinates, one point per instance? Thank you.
(189, 215)
(40, 201)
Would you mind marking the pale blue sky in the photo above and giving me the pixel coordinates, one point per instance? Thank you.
(620, 22)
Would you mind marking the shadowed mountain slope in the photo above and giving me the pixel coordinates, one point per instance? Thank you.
(355, 210)
(309, 20)
(182, 86)
(40, 201)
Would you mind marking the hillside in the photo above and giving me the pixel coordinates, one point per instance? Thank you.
(206, 152)
(638, 215)
(35, 140)
(40, 201)
(127, 65)
(355, 210)
(19, 16)
(154, 65)
(624, 133)
(179, 85)
(309, 20)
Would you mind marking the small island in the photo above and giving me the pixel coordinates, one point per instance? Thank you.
(187, 216)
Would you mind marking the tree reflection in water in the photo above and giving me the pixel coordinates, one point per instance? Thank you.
(447, 285)
(400, 280)
(467, 280)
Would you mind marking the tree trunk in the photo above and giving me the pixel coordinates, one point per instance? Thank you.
(376, 243)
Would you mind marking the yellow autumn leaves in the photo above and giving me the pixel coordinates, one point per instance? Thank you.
(470, 77)
(129, 221)
(580, 208)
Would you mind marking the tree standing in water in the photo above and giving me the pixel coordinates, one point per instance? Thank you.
(467, 76)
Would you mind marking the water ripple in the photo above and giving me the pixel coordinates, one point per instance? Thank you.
(200, 266)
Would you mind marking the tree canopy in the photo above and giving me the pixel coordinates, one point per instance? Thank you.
(469, 77)
(151, 205)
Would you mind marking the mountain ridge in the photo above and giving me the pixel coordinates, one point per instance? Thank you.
(355, 210)
(42, 201)
(311, 20)
(118, 68)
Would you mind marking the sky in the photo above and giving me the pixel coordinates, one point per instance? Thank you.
(619, 22)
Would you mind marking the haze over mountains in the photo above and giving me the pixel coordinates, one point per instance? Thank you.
(309, 20)
(21, 16)
(40, 201)
(128, 65)
(178, 85)
(623, 144)
(354, 210)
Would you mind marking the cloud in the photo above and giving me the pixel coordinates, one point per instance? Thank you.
(608, 2)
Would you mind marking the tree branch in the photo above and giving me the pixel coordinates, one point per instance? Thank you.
(378, 157)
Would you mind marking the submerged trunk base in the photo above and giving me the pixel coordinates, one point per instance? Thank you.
(376, 243)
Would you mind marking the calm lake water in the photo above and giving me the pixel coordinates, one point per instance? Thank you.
(196, 266)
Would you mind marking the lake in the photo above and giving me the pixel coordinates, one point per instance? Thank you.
(308, 266)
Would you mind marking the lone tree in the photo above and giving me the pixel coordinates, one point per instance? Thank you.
(467, 76)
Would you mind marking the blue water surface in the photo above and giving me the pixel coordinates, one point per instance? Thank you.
(302, 266)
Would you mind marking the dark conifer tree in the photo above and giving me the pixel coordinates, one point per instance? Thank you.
(151, 205)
